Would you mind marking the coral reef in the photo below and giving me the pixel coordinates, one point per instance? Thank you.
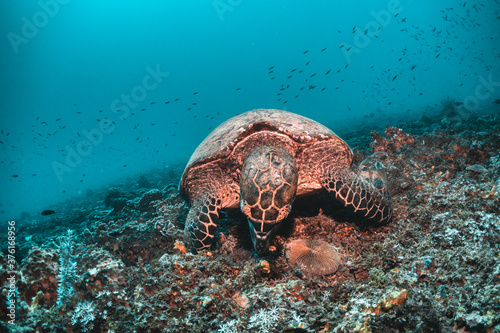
(434, 268)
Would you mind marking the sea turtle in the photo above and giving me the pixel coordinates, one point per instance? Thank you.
(260, 161)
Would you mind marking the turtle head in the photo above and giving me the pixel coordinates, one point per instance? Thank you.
(268, 185)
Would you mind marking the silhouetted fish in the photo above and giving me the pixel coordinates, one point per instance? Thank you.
(497, 101)
(48, 212)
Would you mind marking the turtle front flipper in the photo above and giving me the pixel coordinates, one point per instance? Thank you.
(366, 193)
(201, 222)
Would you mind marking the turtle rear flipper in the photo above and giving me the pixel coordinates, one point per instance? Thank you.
(366, 193)
(201, 222)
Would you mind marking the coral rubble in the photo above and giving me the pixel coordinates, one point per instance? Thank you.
(434, 268)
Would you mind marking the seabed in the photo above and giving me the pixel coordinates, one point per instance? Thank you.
(435, 267)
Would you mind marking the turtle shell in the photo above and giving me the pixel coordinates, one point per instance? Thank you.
(221, 141)
(220, 144)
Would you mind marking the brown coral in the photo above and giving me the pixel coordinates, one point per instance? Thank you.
(313, 256)
(395, 139)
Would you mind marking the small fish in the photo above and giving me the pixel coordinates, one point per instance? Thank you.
(238, 88)
(328, 72)
(48, 212)
(195, 93)
(413, 67)
(271, 67)
(394, 78)
(153, 103)
(497, 101)
(306, 51)
(323, 50)
(15, 176)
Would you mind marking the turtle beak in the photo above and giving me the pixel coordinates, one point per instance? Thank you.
(261, 235)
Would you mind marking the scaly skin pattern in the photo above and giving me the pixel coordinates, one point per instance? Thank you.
(268, 184)
(206, 202)
(366, 193)
(201, 222)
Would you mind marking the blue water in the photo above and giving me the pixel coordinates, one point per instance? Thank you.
(67, 67)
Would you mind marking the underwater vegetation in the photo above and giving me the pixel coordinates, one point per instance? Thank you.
(435, 267)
